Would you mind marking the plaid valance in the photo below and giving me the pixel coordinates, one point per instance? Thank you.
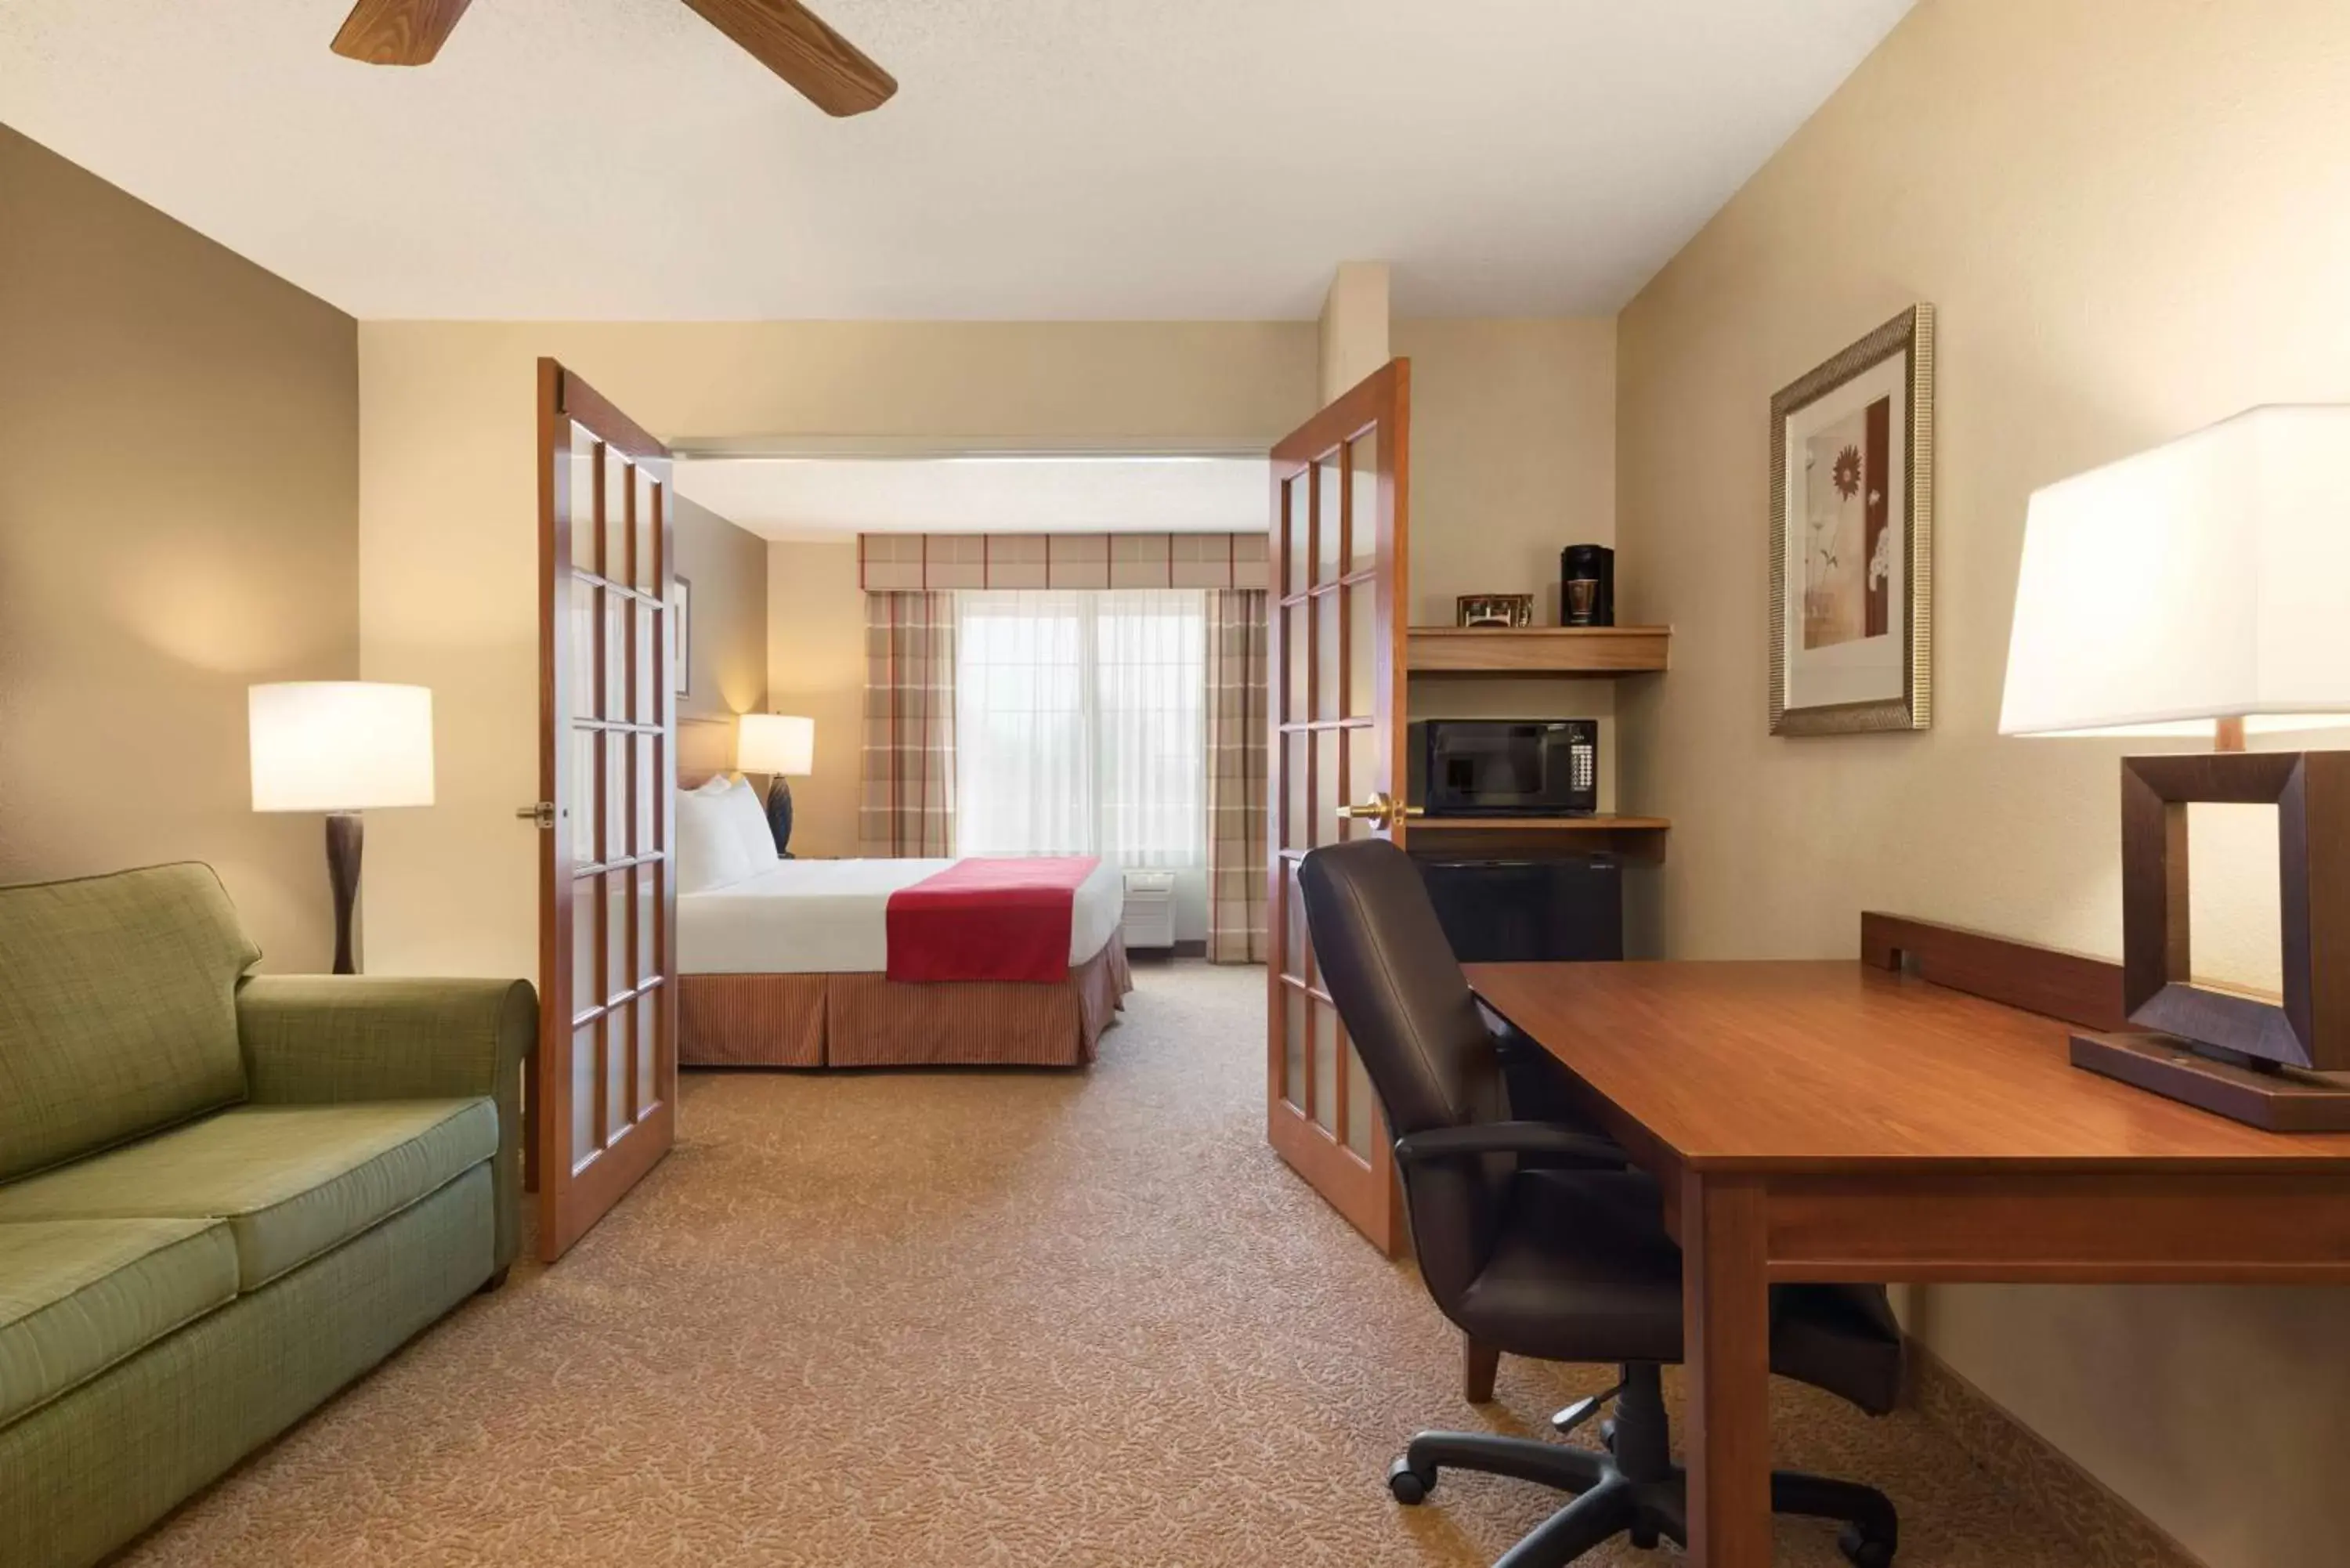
(917, 563)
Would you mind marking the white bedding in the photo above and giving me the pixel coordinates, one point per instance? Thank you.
(830, 916)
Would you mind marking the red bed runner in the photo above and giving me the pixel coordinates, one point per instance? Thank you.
(988, 920)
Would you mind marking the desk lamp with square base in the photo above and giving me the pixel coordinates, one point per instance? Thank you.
(2203, 588)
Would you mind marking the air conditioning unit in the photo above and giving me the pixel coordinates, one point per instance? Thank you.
(1150, 919)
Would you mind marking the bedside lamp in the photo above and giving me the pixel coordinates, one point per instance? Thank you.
(784, 748)
(340, 747)
(2203, 589)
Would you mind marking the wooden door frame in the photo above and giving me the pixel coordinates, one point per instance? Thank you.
(1367, 1192)
(571, 1198)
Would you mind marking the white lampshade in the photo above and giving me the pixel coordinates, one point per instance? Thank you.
(340, 745)
(776, 744)
(2206, 578)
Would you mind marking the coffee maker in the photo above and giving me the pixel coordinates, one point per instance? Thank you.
(1586, 585)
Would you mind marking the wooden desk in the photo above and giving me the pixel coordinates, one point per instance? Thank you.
(1840, 1122)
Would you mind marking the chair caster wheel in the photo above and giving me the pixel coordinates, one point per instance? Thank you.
(1864, 1551)
(1409, 1485)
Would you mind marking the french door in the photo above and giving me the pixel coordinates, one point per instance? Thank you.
(604, 1091)
(1340, 499)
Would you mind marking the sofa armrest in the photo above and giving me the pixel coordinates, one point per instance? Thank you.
(313, 1039)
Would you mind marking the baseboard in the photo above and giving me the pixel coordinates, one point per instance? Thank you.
(2100, 1525)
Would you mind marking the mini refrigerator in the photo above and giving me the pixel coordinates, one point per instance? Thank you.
(1553, 909)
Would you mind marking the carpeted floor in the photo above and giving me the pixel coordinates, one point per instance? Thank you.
(966, 1318)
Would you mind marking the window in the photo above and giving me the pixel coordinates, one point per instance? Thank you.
(1080, 725)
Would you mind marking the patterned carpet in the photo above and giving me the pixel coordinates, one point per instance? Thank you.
(971, 1318)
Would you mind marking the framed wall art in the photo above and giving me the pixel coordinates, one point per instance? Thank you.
(1851, 510)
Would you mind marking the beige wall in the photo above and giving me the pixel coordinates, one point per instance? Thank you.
(728, 569)
(816, 667)
(448, 500)
(2127, 213)
(1354, 329)
(1513, 459)
(1513, 455)
(178, 504)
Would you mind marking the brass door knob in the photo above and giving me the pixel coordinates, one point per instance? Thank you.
(1382, 808)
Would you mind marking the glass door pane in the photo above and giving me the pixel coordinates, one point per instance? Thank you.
(1363, 503)
(579, 500)
(1297, 538)
(620, 1055)
(1329, 657)
(618, 526)
(1292, 1079)
(1329, 522)
(1325, 1109)
(1359, 1105)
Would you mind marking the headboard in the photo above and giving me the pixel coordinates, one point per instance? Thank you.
(705, 748)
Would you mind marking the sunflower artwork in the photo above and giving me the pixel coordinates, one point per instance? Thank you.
(1852, 533)
(1847, 563)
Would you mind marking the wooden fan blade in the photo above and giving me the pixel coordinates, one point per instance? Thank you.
(786, 37)
(398, 32)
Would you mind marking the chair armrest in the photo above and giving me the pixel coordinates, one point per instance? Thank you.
(315, 1039)
(1543, 1142)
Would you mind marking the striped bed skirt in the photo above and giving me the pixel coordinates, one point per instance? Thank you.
(871, 1021)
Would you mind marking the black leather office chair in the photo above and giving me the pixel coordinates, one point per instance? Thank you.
(1533, 1239)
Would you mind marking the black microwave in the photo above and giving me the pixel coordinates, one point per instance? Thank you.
(1505, 767)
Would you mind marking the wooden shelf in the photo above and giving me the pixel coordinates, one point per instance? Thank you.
(1633, 838)
(1597, 824)
(1537, 651)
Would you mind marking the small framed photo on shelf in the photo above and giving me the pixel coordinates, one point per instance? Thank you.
(1852, 526)
(1494, 610)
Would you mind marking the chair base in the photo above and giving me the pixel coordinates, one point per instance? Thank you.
(1633, 1490)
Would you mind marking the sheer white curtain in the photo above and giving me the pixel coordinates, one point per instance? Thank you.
(1080, 725)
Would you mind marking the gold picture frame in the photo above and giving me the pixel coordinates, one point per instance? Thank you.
(1852, 577)
(1506, 611)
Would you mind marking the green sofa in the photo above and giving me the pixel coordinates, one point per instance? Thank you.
(223, 1196)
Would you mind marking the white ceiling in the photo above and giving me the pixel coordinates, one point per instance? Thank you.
(1061, 159)
(833, 498)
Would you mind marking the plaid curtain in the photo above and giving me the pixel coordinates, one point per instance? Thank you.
(907, 807)
(1238, 729)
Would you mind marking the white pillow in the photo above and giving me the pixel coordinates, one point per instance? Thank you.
(746, 814)
(710, 852)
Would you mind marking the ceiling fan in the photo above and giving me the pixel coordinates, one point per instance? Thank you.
(781, 35)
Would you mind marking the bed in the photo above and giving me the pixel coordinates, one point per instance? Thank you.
(812, 963)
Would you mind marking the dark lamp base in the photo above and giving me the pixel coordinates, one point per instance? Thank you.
(779, 814)
(2282, 1100)
(343, 836)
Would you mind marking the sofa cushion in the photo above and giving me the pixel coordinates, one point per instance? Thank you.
(118, 1009)
(78, 1295)
(292, 1181)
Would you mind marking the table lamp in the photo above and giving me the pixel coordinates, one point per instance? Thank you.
(2203, 589)
(784, 748)
(340, 747)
